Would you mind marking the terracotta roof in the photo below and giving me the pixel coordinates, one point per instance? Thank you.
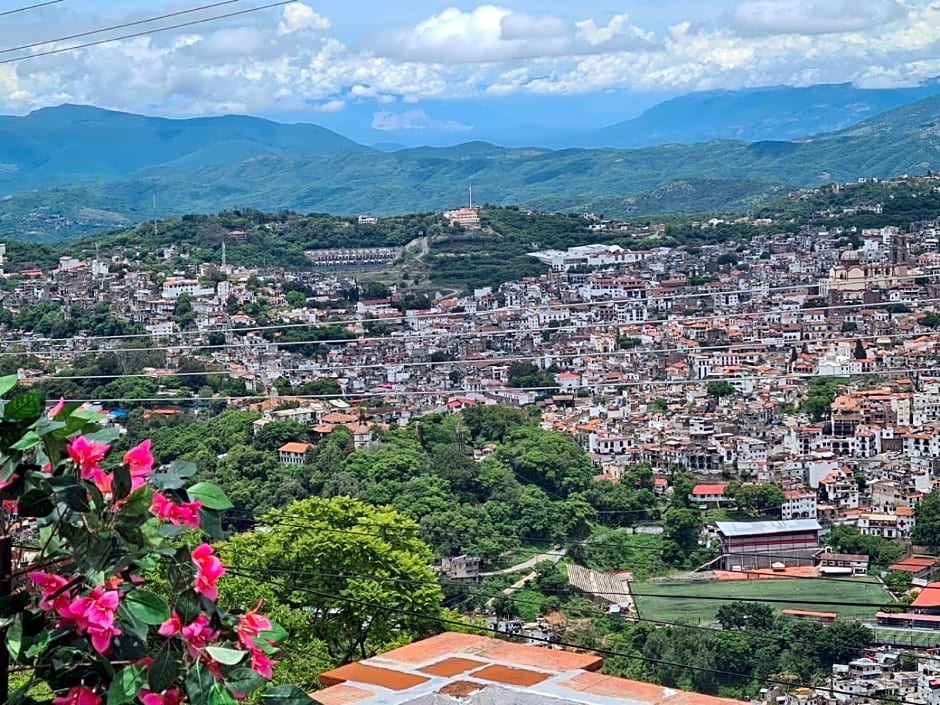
(294, 448)
(700, 490)
(928, 597)
(914, 564)
(460, 665)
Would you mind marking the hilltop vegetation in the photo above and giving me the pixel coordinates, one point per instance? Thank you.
(322, 173)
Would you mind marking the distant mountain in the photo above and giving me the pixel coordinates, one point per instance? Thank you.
(55, 145)
(780, 113)
(327, 174)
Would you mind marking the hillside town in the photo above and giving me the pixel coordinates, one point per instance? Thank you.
(808, 364)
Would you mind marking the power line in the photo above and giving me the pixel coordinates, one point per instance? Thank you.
(340, 369)
(29, 7)
(123, 25)
(503, 390)
(147, 32)
(554, 642)
(535, 308)
(513, 597)
(282, 521)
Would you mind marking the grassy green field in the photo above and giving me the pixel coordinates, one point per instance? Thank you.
(914, 637)
(660, 601)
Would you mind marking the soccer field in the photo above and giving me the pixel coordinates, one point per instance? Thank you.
(697, 603)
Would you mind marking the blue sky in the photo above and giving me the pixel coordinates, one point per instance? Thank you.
(423, 67)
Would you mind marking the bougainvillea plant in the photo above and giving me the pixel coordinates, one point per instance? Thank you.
(118, 601)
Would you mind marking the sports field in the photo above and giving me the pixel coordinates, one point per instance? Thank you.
(903, 637)
(697, 602)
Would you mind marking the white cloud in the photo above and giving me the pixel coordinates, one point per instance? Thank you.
(288, 61)
(299, 17)
(331, 106)
(490, 33)
(814, 16)
(414, 120)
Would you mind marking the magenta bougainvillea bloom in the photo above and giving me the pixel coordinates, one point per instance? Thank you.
(208, 570)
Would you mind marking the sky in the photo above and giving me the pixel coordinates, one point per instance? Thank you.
(394, 66)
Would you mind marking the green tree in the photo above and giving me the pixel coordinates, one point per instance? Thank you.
(720, 389)
(746, 615)
(927, 521)
(552, 461)
(682, 527)
(328, 557)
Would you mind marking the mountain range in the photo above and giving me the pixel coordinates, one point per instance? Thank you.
(107, 168)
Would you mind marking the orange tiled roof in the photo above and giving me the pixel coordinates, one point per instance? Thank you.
(459, 665)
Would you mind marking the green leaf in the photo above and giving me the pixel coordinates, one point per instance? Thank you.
(126, 684)
(35, 503)
(211, 523)
(276, 633)
(212, 496)
(30, 439)
(72, 494)
(187, 606)
(170, 531)
(105, 435)
(15, 638)
(147, 607)
(122, 482)
(131, 623)
(24, 407)
(85, 415)
(219, 695)
(8, 382)
(229, 657)
(199, 682)
(244, 680)
(163, 673)
(287, 695)
(174, 477)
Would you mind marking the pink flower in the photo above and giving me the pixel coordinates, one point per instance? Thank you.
(170, 626)
(250, 625)
(100, 616)
(93, 614)
(47, 468)
(103, 480)
(139, 461)
(56, 410)
(164, 509)
(49, 584)
(169, 697)
(261, 663)
(79, 695)
(197, 635)
(208, 570)
(86, 454)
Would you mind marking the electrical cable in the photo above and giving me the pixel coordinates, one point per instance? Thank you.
(456, 392)
(679, 320)
(111, 28)
(555, 642)
(29, 7)
(495, 593)
(147, 32)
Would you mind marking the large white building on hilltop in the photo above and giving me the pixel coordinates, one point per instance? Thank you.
(586, 256)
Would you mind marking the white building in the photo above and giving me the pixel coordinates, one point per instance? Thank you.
(174, 287)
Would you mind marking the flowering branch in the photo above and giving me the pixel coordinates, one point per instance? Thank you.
(87, 624)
